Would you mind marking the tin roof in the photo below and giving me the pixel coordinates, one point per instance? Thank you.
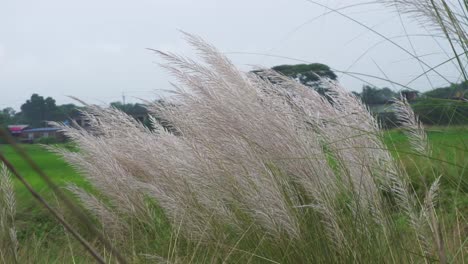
(42, 129)
(15, 129)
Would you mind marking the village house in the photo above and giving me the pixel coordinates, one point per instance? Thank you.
(16, 130)
(29, 135)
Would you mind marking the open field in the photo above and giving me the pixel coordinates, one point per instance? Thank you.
(449, 160)
(60, 172)
(38, 232)
(450, 146)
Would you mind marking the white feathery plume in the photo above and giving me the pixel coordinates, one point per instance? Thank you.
(243, 149)
(412, 127)
(8, 239)
(442, 15)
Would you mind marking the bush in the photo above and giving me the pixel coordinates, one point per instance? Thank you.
(47, 140)
(433, 111)
(387, 120)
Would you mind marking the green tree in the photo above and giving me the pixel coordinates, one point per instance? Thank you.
(459, 90)
(307, 74)
(10, 112)
(436, 111)
(130, 109)
(37, 110)
(137, 111)
(141, 113)
(66, 111)
(7, 116)
(3, 120)
(373, 95)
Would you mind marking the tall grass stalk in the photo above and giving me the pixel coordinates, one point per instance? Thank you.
(8, 240)
(446, 16)
(255, 168)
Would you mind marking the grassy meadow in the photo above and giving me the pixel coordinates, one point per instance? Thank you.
(38, 232)
(41, 237)
(450, 159)
(60, 172)
(450, 145)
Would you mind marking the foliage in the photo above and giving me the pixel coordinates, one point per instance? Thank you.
(37, 111)
(130, 109)
(442, 111)
(307, 74)
(47, 140)
(373, 95)
(66, 111)
(454, 91)
(7, 116)
(3, 120)
(387, 120)
(10, 112)
(141, 113)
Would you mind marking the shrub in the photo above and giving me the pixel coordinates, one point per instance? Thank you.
(387, 120)
(442, 111)
(47, 140)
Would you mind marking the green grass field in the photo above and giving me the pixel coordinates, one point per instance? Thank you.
(34, 224)
(450, 146)
(60, 172)
(449, 160)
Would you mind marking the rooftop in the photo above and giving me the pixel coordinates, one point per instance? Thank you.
(42, 129)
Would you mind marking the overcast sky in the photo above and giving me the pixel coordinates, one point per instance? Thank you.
(96, 49)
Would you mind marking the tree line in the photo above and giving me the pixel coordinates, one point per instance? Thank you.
(38, 111)
(440, 106)
(444, 105)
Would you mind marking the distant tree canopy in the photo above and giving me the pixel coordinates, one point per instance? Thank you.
(436, 111)
(7, 116)
(3, 120)
(130, 109)
(38, 110)
(453, 91)
(307, 74)
(138, 111)
(373, 95)
(66, 111)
